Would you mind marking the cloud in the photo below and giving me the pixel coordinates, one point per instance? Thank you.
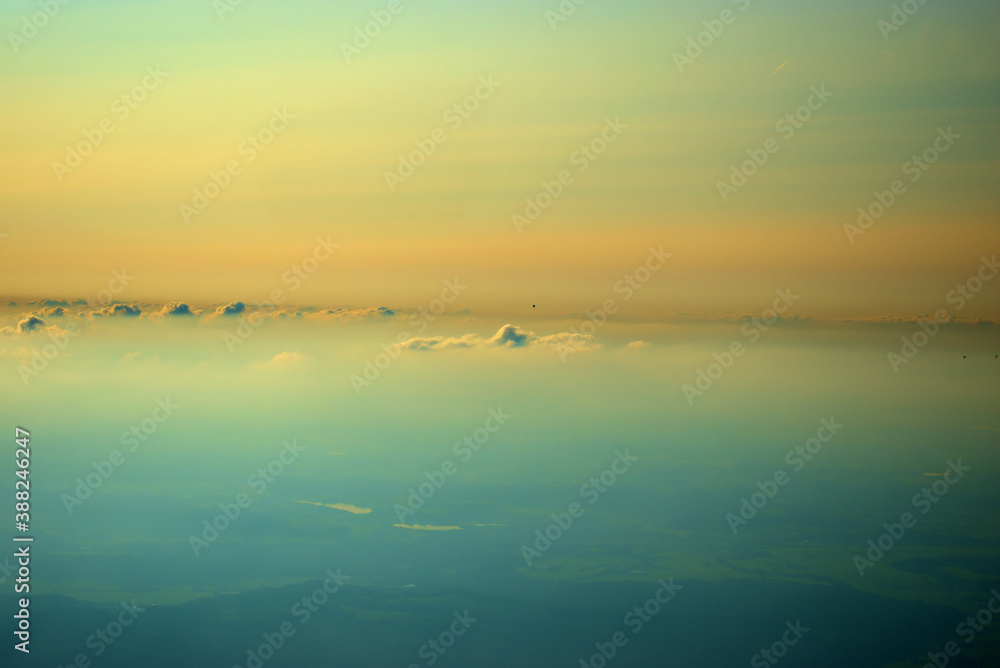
(427, 527)
(346, 507)
(63, 308)
(441, 342)
(130, 310)
(355, 510)
(638, 345)
(348, 313)
(574, 340)
(508, 336)
(176, 308)
(49, 302)
(30, 324)
(288, 358)
(233, 308)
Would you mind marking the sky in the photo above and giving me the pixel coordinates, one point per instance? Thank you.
(693, 232)
(224, 73)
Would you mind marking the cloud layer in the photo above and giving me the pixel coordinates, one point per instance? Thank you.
(508, 336)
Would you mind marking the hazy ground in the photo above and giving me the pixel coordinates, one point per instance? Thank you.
(664, 517)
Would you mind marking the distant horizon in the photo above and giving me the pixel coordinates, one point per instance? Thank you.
(215, 308)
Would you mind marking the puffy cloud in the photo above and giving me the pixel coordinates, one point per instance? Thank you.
(55, 312)
(130, 310)
(234, 308)
(638, 345)
(176, 308)
(30, 324)
(508, 336)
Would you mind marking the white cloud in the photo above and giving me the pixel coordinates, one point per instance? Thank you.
(508, 336)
